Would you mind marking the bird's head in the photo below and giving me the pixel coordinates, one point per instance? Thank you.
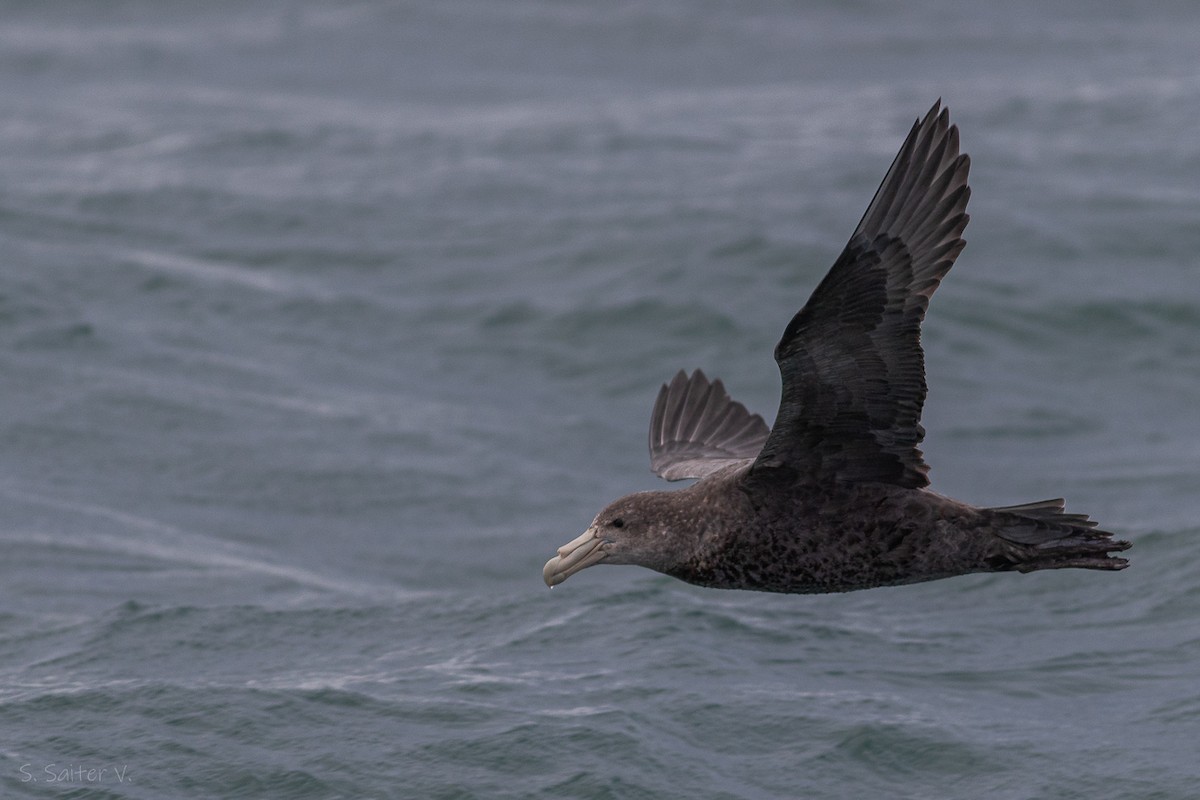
(633, 530)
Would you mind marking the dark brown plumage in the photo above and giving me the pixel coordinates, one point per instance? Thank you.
(832, 497)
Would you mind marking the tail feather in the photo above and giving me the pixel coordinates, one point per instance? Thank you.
(1044, 536)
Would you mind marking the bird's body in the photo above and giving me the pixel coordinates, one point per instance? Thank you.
(814, 538)
(809, 537)
(833, 497)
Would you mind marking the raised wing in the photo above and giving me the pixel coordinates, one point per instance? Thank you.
(697, 428)
(851, 360)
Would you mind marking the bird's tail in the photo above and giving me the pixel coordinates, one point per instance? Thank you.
(1042, 535)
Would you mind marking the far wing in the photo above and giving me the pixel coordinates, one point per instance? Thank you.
(697, 428)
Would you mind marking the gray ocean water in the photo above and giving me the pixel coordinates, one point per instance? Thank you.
(323, 325)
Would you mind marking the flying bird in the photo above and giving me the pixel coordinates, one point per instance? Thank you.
(834, 497)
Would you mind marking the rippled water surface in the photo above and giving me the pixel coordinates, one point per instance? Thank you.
(323, 325)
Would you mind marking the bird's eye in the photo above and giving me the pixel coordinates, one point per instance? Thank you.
(618, 523)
